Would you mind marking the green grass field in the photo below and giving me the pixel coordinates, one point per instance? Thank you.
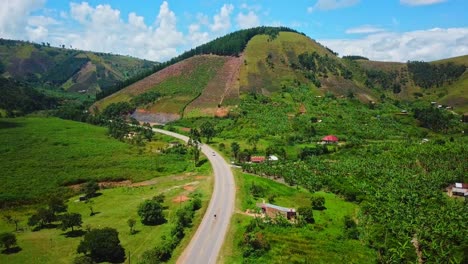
(322, 242)
(40, 155)
(114, 207)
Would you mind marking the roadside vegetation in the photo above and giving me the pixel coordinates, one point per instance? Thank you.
(321, 238)
(53, 244)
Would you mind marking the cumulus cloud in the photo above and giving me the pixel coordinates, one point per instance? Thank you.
(420, 2)
(427, 45)
(364, 29)
(14, 17)
(102, 28)
(248, 20)
(222, 20)
(324, 5)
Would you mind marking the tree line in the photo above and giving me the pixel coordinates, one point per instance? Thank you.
(427, 75)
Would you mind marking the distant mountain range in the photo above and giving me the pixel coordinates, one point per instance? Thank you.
(43, 66)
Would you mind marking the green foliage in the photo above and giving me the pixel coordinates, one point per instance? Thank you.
(354, 57)
(117, 110)
(235, 148)
(380, 79)
(255, 244)
(145, 98)
(70, 220)
(8, 241)
(207, 130)
(151, 212)
(102, 245)
(19, 99)
(307, 214)
(90, 188)
(428, 75)
(63, 71)
(350, 228)
(131, 223)
(434, 118)
(183, 219)
(317, 202)
(258, 191)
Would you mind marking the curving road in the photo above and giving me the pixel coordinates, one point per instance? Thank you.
(207, 241)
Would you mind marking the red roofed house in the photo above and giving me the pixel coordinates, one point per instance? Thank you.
(330, 139)
(257, 159)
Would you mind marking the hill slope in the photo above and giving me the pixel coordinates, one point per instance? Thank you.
(272, 60)
(68, 69)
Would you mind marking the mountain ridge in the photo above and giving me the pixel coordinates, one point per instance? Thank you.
(270, 63)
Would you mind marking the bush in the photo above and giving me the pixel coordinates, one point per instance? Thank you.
(307, 214)
(8, 241)
(318, 202)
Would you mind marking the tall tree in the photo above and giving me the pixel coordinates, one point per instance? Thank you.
(235, 148)
(207, 130)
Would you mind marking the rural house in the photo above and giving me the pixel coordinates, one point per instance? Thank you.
(330, 139)
(459, 189)
(273, 210)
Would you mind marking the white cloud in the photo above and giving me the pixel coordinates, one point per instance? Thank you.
(196, 37)
(420, 2)
(222, 21)
(14, 18)
(248, 20)
(364, 29)
(103, 29)
(427, 45)
(323, 5)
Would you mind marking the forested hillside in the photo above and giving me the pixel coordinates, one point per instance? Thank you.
(66, 69)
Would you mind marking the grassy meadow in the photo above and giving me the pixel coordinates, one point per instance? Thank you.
(40, 155)
(321, 242)
(113, 208)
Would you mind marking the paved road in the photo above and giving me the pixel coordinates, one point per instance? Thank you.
(207, 241)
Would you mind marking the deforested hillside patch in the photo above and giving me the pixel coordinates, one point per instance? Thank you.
(221, 91)
(177, 86)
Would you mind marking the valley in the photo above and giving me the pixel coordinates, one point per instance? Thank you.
(361, 154)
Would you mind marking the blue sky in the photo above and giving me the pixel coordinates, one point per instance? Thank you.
(389, 30)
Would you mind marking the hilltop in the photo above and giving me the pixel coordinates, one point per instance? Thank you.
(67, 69)
(210, 80)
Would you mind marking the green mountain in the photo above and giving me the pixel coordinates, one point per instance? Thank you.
(212, 79)
(66, 69)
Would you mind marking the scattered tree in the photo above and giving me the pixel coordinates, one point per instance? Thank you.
(90, 188)
(102, 245)
(12, 220)
(207, 130)
(318, 202)
(131, 223)
(151, 212)
(235, 148)
(8, 241)
(307, 214)
(71, 220)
